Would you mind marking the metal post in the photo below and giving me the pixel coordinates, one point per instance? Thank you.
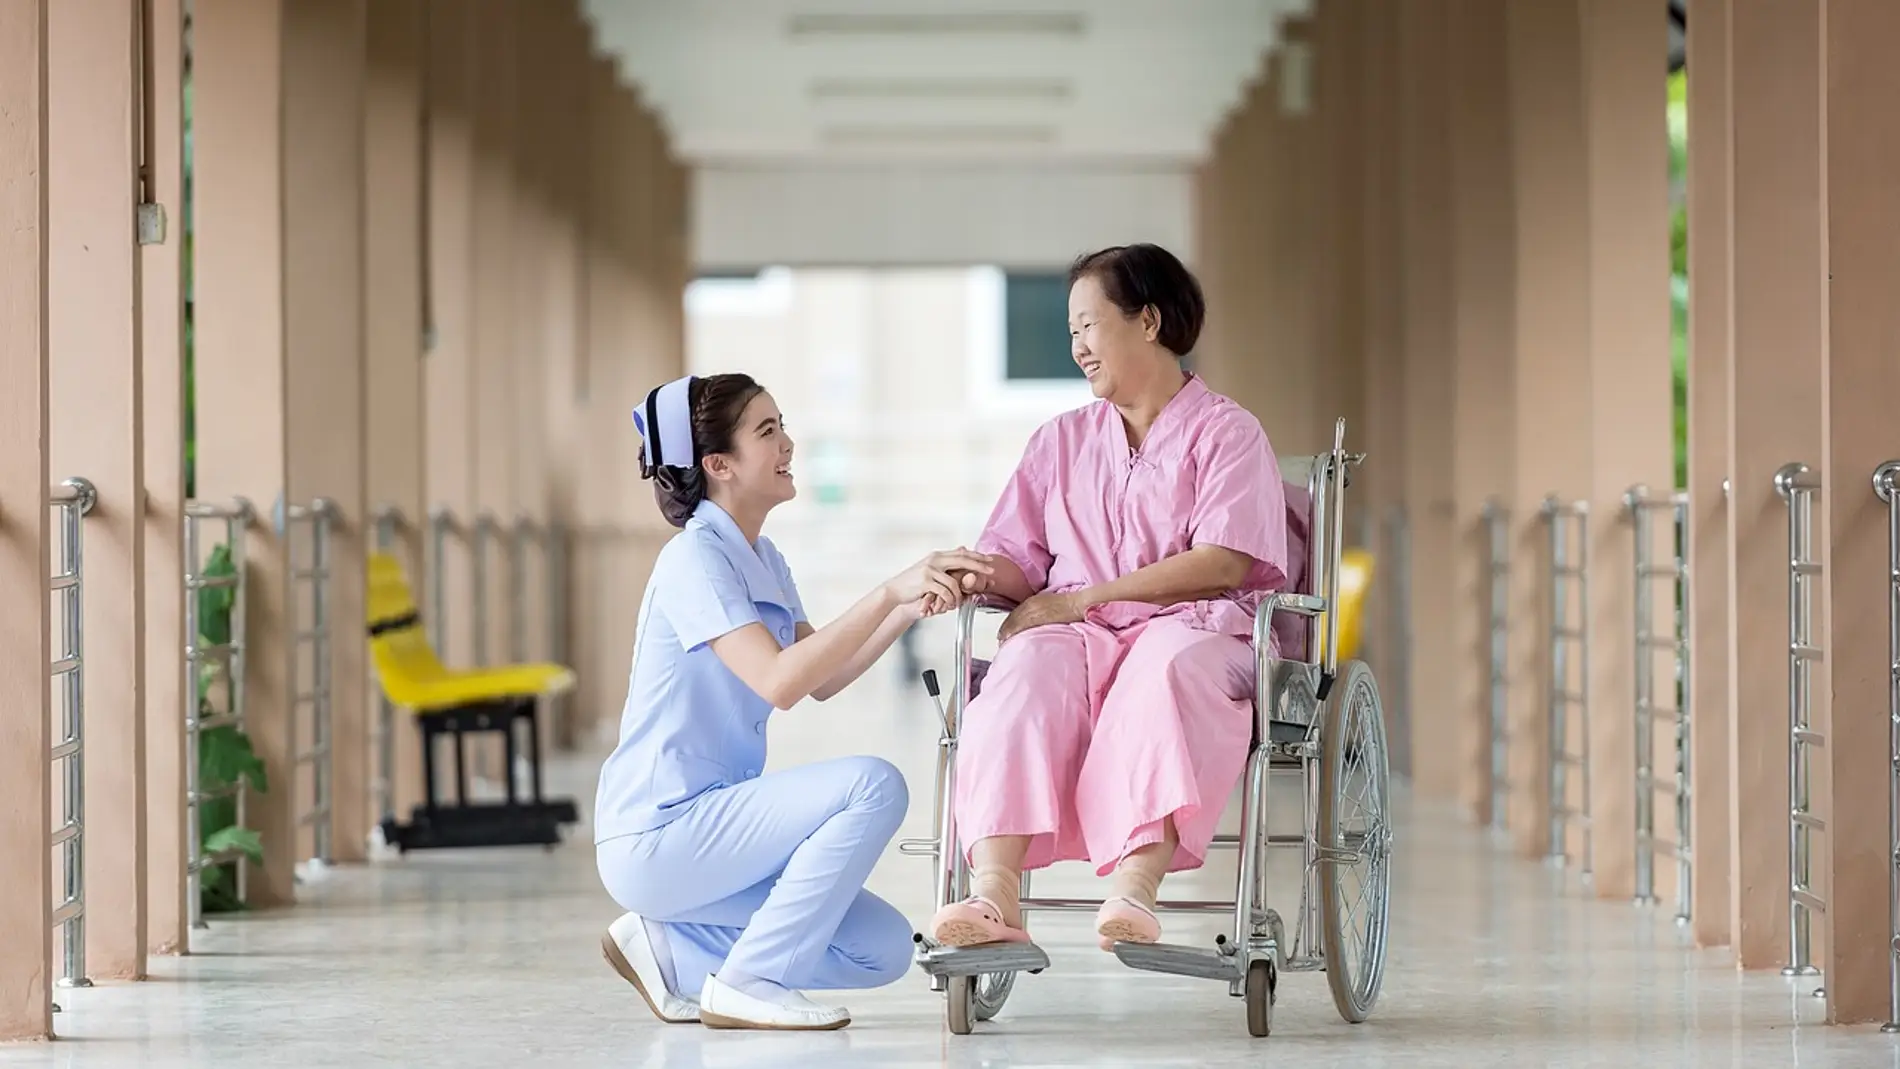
(1558, 515)
(478, 564)
(389, 520)
(441, 522)
(320, 514)
(519, 536)
(237, 519)
(1798, 484)
(1641, 505)
(72, 499)
(1887, 487)
(1497, 521)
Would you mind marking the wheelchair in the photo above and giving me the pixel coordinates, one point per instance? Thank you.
(1315, 717)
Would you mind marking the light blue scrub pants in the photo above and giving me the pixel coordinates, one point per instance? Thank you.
(768, 876)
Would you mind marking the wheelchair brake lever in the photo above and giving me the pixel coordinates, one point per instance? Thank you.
(1325, 686)
(936, 696)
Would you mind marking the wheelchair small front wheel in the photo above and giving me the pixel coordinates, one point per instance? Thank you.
(959, 1005)
(1259, 995)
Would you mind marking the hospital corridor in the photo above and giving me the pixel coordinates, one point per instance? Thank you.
(994, 533)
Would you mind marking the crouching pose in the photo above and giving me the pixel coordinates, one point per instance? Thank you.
(1137, 537)
(743, 888)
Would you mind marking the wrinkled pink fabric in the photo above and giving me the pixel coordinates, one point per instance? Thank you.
(1088, 736)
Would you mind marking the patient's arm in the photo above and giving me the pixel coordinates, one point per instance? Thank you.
(1203, 572)
(1007, 584)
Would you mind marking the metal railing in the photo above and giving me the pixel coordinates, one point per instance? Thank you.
(1559, 517)
(389, 522)
(1497, 523)
(319, 515)
(442, 524)
(481, 536)
(1642, 506)
(71, 501)
(201, 653)
(1398, 533)
(1887, 488)
(1798, 485)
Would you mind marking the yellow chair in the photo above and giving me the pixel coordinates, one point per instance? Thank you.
(459, 702)
(1355, 583)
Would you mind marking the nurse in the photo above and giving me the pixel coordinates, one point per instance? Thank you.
(743, 887)
(1136, 538)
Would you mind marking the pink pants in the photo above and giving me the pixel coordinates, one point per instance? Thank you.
(1087, 739)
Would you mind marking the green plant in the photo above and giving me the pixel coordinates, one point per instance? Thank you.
(225, 755)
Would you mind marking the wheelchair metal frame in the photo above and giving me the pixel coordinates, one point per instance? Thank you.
(1302, 710)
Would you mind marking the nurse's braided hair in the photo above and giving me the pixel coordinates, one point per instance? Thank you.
(717, 402)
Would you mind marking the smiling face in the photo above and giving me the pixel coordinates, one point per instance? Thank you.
(758, 469)
(1118, 353)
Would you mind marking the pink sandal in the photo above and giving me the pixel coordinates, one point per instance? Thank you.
(973, 922)
(1124, 920)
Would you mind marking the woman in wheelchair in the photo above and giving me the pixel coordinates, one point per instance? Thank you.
(743, 888)
(1136, 539)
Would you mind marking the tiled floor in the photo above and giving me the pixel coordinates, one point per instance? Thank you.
(490, 959)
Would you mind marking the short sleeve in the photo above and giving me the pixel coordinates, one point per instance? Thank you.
(1239, 499)
(1016, 529)
(789, 586)
(702, 593)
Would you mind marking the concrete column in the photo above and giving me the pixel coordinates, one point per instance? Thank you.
(1552, 377)
(26, 964)
(1777, 416)
(1632, 422)
(494, 349)
(1483, 437)
(448, 369)
(393, 262)
(1382, 480)
(161, 338)
(1283, 382)
(1712, 697)
(1863, 397)
(279, 364)
(96, 390)
(1425, 213)
(564, 422)
(323, 352)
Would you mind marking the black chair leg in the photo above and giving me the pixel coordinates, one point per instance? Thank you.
(461, 768)
(534, 752)
(508, 759)
(428, 763)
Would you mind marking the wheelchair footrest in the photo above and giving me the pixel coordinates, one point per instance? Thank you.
(1207, 963)
(473, 825)
(937, 960)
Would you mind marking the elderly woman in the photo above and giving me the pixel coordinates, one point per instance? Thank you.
(1136, 538)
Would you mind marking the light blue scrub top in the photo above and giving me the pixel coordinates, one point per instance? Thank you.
(690, 724)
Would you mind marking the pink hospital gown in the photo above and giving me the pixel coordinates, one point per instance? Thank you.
(1087, 736)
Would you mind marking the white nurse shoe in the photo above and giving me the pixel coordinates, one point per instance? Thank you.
(724, 1006)
(627, 948)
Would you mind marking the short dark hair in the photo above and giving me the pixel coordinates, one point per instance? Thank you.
(1141, 276)
(716, 403)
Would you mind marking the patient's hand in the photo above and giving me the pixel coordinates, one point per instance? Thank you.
(1042, 609)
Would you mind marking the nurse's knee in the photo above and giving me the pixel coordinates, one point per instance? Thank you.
(877, 785)
(886, 947)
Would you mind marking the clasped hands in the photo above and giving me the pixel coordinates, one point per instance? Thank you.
(940, 582)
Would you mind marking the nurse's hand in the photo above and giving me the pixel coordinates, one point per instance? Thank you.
(930, 578)
(1041, 610)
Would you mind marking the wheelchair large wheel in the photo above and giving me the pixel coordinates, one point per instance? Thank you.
(1354, 834)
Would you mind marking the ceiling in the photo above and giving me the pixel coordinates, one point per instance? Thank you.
(1133, 81)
